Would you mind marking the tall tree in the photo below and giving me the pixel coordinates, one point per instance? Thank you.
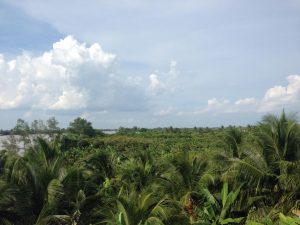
(81, 126)
(22, 129)
(38, 127)
(52, 124)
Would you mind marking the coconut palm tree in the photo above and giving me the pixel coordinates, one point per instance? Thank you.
(144, 208)
(233, 140)
(187, 171)
(275, 167)
(38, 182)
(279, 138)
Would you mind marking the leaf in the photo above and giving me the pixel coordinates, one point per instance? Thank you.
(231, 220)
(224, 193)
(123, 213)
(209, 197)
(55, 191)
(286, 220)
(253, 223)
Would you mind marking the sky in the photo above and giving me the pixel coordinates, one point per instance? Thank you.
(149, 63)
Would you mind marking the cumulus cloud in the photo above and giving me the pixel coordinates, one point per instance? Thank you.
(223, 105)
(274, 99)
(215, 105)
(245, 101)
(70, 99)
(70, 76)
(75, 76)
(164, 82)
(155, 85)
(279, 97)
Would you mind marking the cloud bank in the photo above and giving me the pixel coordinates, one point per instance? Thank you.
(73, 76)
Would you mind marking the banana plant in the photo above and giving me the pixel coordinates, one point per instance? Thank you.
(218, 211)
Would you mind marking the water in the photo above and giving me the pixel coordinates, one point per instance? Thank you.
(18, 139)
(20, 144)
(109, 131)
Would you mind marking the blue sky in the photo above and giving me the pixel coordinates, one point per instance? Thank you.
(149, 63)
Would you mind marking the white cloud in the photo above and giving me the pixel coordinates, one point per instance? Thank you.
(155, 85)
(275, 98)
(245, 101)
(70, 53)
(70, 99)
(164, 82)
(279, 97)
(214, 105)
(74, 76)
(92, 116)
(70, 76)
(223, 105)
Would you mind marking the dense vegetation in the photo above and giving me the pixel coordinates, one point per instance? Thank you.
(233, 175)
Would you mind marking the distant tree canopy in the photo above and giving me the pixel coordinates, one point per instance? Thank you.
(21, 127)
(37, 127)
(5, 132)
(81, 126)
(52, 124)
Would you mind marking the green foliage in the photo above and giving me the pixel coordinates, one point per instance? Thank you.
(228, 175)
(38, 127)
(21, 128)
(81, 127)
(233, 140)
(52, 125)
(283, 220)
(286, 220)
(218, 211)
